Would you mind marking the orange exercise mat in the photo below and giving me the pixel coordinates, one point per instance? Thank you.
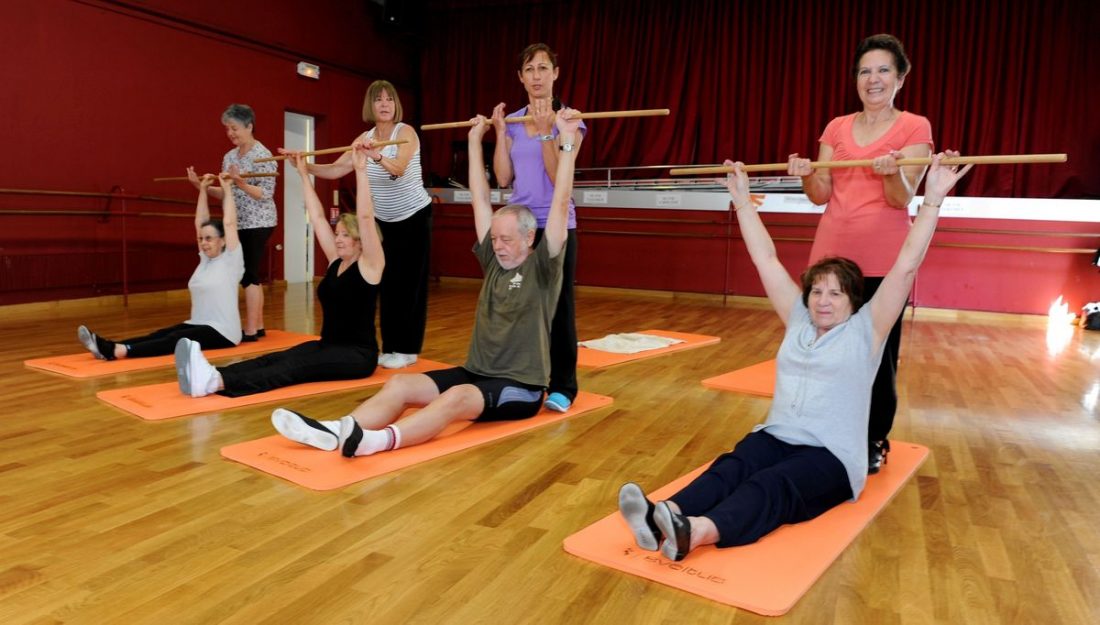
(594, 358)
(165, 401)
(85, 365)
(321, 470)
(766, 577)
(758, 379)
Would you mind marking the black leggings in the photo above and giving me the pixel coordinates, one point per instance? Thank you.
(884, 392)
(563, 329)
(253, 246)
(403, 294)
(163, 342)
(314, 361)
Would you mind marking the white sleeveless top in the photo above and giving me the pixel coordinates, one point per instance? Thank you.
(396, 199)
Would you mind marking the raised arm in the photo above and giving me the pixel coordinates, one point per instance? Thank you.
(502, 152)
(479, 186)
(229, 213)
(557, 221)
(202, 205)
(316, 212)
(196, 182)
(371, 260)
(892, 294)
(782, 290)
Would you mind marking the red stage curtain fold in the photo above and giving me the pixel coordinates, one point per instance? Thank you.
(758, 80)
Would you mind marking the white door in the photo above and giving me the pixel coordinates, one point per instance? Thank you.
(298, 131)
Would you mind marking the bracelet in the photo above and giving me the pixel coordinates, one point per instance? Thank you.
(931, 205)
(378, 160)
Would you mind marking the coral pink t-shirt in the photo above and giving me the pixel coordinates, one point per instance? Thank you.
(858, 222)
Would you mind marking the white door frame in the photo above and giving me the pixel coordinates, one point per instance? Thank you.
(298, 134)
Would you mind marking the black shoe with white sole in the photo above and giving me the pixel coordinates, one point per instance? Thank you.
(677, 530)
(301, 429)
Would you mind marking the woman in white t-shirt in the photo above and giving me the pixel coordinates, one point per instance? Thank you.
(215, 321)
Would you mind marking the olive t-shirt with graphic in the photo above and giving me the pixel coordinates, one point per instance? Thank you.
(512, 330)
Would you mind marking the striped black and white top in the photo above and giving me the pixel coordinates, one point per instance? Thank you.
(396, 199)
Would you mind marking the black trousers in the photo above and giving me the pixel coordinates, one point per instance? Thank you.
(563, 330)
(314, 361)
(762, 484)
(163, 341)
(253, 246)
(403, 294)
(884, 392)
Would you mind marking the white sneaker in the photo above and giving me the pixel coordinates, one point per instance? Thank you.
(301, 429)
(201, 374)
(183, 349)
(396, 360)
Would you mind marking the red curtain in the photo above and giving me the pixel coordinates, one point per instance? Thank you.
(757, 80)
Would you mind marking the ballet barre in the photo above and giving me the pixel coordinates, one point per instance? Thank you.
(998, 159)
(339, 150)
(528, 118)
(247, 174)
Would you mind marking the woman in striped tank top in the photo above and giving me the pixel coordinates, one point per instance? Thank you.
(403, 212)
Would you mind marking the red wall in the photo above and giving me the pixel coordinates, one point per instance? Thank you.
(699, 251)
(99, 94)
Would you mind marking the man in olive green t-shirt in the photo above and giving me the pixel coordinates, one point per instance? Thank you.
(508, 365)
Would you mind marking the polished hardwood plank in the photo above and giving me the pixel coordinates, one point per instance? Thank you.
(109, 519)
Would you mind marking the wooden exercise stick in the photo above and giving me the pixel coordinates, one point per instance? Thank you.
(247, 174)
(340, 150)
(999, 159)
(526, 118)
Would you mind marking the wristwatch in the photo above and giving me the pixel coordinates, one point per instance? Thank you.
(545, 138)
(567, 147)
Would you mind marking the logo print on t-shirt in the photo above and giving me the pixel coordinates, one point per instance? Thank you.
(515, 282)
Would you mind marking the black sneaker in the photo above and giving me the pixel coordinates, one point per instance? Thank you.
(876, 455)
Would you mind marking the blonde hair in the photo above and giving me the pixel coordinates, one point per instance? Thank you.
(351, 224)
(373, 91)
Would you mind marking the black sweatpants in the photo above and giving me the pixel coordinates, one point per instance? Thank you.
(163, 341)
(314, 361)
(762, 484)
(563, 330)
(884, 392)
(403, 293)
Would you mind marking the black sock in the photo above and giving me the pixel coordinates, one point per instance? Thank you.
(106, 348)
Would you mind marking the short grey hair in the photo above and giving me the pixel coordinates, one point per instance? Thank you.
(524, 217)
(240, 113)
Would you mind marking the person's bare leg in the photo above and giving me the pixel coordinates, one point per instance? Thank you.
(462, 402)
(399, 392)
(459, 403)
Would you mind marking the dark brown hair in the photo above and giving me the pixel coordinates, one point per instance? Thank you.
(848, 275)
(530, 51)
(886, 42)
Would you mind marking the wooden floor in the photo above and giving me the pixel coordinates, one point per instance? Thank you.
(105, 518)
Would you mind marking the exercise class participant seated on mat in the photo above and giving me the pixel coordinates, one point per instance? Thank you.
(811, 453)
(215, 321)
(508, 365)
(348, 348)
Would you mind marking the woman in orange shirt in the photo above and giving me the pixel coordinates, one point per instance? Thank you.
(866, 215)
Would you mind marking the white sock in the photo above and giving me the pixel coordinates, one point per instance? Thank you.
(214, 384)
(375, 441)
